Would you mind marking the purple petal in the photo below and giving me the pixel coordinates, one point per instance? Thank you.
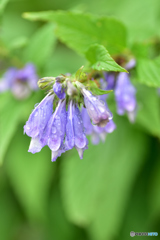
(4, 86)
(27, 72)
(81, 151)
(125, 94)
(131, 64)
(80, 138)
(35, 145)
(8, 79)
(56, 127)
(110, 127)
(86, 121)
(75, 136)
(59, 91)
(96, 109)
(20, 90)
(95, 138)
(69, 127)
(39, 117)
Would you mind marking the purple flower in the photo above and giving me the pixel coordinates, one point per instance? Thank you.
(59, 91)
(56, 129)
(8, 79)
(20, 81)
(125, 94)
(75, 136)
(96, 109)
(97, 133)
(110, 81)
(131, 64)
(37, 122)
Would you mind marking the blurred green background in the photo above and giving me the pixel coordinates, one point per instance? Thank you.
(115, 189)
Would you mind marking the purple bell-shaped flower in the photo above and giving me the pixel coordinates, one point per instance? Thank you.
(75, 136)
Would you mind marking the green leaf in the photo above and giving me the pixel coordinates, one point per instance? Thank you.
(138, 206)
(41, 45)
(30, 176)
(154, 180)
(101, 60)
(142, 50)
(10, 112)
(58, 220)
(148, 72)
(18, 43)
(10, 217)
(95, 190)
(96, 90)
(3, 4)
(138, 25)
(148, 114)
(79, 31)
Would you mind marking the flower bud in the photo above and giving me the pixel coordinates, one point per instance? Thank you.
(46, 82)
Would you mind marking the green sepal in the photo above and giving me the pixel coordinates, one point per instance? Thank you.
(80, 75)
(96, 90)
(46, 83)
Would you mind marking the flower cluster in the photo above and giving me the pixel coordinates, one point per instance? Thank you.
(20, 81)
(63, 118)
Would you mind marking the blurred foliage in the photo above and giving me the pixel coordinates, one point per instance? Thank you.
(115, 188)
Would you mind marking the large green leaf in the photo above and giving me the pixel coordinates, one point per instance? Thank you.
(41, 45)
(79, 30)
(148, 112)
(58, 220)
(95, 190)
(30, 175)
(153, 188)
(3, 3)
(133, 14)
(100, 59)
(10, 112)
(138, 213)
(149, 72)
(10, 216)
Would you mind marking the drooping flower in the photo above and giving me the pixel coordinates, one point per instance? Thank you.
(96, 109)
(37, 123)
(131, 64)
(75, 136)
(97, 133)
(56, 129)
(125, 94)
(109, 81)
(20, 81)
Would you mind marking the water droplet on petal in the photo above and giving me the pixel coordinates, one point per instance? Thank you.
(36, 105)
(54, 130)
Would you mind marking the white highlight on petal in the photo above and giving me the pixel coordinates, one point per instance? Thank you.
(35, 145)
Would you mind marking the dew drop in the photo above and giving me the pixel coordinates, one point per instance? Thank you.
(36, 105)
(54, 130)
